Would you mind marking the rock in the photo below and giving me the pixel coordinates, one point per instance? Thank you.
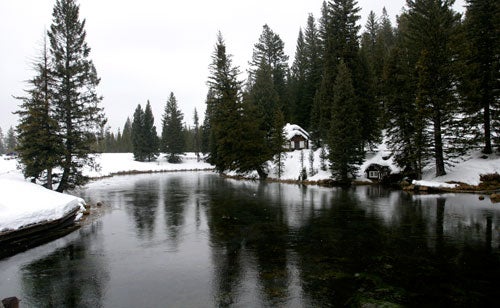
(423, 188)
(495, 198)
(99, 203)
(409, 188)
(10, 302)
(481, 197)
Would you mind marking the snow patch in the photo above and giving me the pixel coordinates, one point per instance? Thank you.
(23, 204)
(434, 184)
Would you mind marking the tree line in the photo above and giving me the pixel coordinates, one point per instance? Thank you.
(8, 142)
(430, 85)
(139, 135)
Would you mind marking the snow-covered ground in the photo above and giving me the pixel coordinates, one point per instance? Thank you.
(112, 163)
(23, 203)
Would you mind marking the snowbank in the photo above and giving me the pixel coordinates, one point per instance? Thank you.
(468, 170)
(112, 163)
(434, 184)
(23, 204)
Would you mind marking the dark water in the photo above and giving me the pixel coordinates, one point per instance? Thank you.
(197, 240)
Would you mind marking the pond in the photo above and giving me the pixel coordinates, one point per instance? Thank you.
(198, 240)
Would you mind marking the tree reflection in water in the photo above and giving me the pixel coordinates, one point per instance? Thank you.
(72, 276)
(239, 243)
(142, 205)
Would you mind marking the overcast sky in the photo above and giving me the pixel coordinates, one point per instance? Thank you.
(146, 49)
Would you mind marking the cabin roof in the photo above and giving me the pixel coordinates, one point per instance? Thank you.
(291, 130)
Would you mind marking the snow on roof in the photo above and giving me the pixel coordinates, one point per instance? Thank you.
(292, 130)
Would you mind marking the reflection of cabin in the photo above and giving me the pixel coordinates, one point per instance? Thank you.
(377, 172)
(297, 138)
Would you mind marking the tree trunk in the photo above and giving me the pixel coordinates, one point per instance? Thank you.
(487, 127)
(49, 178)
(438, 145)
(262, 174)
(64, 178)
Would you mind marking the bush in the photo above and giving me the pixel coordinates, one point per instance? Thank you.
(490, 177)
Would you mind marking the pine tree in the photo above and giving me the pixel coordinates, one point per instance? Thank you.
(278, 140)
(207, 140)
(118, 142)
(126, 141)
(270, 50)
(2, 146)
(403, 123)
(223, 110)
(300, 104)
(197, 135)
(137, 134)
(151, 141)
(11, 140)
(75, 99)
(172, 139)
(314, 68)
(39, 146)
(345, 140)
(431, 34)
(340, 43)
(265, 98)
(482, 72)
(255, 146)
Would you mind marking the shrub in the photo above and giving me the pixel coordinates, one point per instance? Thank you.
(490, 177)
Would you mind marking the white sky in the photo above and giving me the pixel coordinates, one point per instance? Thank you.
(146, 49)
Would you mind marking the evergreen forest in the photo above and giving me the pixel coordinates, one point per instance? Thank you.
(427, 85)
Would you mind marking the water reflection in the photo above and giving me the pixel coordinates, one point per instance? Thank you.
(175, 200)
(143, 205)
(196, 240)
(241, 221)
(72, 276)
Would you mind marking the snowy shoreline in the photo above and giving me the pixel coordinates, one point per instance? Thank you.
(23, 203)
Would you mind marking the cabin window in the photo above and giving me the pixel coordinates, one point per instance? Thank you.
(302, 144)
(373, 174)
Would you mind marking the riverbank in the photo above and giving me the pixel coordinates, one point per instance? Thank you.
(27, 209)
(304, 167)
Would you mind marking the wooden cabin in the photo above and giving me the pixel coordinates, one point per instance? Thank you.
(297, 138)
(377, 172)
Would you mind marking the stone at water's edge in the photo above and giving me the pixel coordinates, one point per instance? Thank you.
(10, 302)
(495, 198)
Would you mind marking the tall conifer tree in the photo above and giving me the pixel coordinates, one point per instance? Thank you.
(270, 50)
(151, 141)
(223, 109)
(126, 142)
(482, 73)
(340, 43)
(172, 137)
(2, 146)
(39, 145)
(197, 135)
(345, 139)
(76, 101)
(431, 33)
